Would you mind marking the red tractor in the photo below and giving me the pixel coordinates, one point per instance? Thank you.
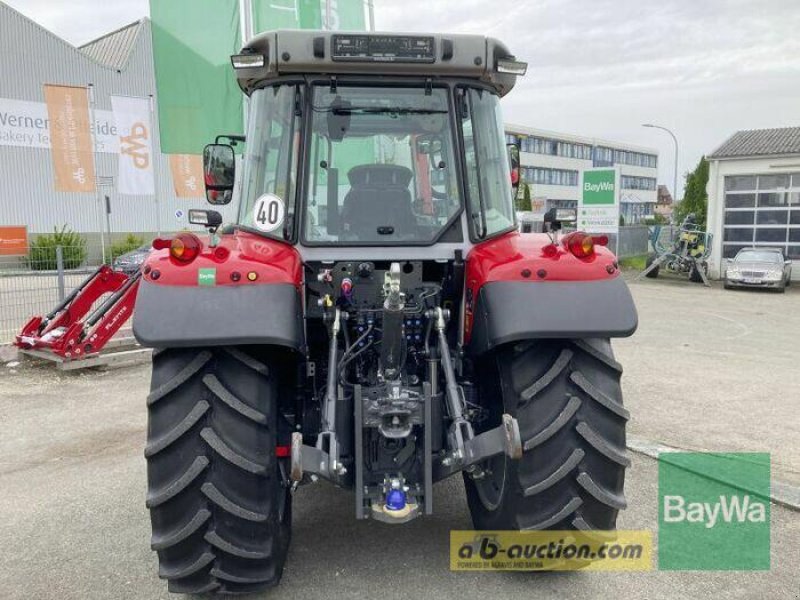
(374, 318)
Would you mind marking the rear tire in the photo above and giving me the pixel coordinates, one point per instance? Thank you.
(654, 273)
(567, 399)
(220, 513)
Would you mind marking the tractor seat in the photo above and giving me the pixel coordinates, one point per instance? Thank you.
(378, 198)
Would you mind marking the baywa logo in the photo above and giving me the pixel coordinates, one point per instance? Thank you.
(603, 186)
(714, 511)
(729, 509)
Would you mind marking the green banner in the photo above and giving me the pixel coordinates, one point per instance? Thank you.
(275, 14)
(193, 40)
(308, 14)
(198, 97)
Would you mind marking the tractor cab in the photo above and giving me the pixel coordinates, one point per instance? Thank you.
(371, 140)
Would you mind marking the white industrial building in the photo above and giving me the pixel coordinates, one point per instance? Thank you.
(552, 162)
(754, 194)
(119, 63)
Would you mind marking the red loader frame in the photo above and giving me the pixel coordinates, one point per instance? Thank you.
(70, 330)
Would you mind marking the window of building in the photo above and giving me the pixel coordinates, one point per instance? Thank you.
(636, 159)
(740, 182)
(762, 210)
(544, 176)
(773, 182)
(740, 217)
(631, 182)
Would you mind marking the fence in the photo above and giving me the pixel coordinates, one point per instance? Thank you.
(634, 240)
(33, 283)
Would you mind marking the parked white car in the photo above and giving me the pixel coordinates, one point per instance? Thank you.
(759, 268)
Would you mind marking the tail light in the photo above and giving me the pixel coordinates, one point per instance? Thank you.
(582, 244)
(184, 247)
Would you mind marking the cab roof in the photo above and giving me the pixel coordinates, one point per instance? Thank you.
(308, 52)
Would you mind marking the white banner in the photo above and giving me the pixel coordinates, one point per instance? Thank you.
(132, 119)
(25, 124)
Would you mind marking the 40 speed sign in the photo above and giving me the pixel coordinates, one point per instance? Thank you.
(268, 212)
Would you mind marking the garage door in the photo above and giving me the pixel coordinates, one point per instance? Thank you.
(762, 210)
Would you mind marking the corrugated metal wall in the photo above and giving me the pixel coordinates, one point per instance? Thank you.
(31, 56)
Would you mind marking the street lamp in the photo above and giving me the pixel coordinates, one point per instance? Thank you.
(674, 139)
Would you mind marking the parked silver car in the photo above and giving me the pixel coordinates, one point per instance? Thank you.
(759, 268)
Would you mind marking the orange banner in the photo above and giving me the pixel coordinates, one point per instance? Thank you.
(187, 175)
(71, 139)
(13, 241)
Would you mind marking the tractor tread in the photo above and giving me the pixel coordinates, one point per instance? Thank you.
(189, 421)
(202, 561)
(158, 498)
(220, 447)
(213, 538)
(602, 445)
(569, 508)
(599, 396)
(567, 399)
(211, 492)
(562, 471)
(599, 493)
(197, 363)
(214, 487)
(178, 587)
(221, 392)
(555, 425)
(593, 533)
(170, 539)
(557, 367)
(248, 361)
(603, 357)
(230, 577)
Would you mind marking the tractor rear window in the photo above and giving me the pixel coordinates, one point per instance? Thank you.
(382, 166)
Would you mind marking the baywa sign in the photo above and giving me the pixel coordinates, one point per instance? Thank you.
(714, 511)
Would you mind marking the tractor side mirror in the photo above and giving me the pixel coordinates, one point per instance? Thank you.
(219, 173)
(514, 167)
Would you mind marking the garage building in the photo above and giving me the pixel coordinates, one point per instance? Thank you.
(754, 194)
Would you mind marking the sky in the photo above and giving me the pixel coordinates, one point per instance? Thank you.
(599, 68)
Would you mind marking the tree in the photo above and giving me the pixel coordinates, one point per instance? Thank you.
(695, 198)
(524, 202)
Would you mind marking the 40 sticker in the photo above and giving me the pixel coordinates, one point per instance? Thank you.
(268, 213)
